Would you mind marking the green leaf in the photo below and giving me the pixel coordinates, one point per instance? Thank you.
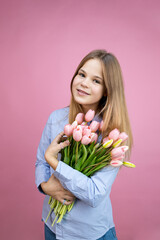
(87, 168)
(92, 171)
(89, 159)
(66, 158)
(82, 159)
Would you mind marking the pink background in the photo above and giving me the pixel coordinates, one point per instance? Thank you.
(41, 44)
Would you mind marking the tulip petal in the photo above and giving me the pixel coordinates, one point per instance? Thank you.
(123, 136)
(68, 130)
(117, 143)
(116, 163)
(117, 152)
(94, 126)
(94, 137)
(85, 140)
(79, 118)
(105, 139)
(89, 115)
(77, 135)
(124, 148)
(108, 143)
(114, 134)
(74, 124)
(129, 164)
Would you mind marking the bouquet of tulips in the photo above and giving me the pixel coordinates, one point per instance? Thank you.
(86, 155)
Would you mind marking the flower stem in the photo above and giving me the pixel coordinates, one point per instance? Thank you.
(55, 219)
(48, 215)
(76, 152)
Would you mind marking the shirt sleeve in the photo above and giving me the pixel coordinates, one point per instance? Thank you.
(90, 190)
(42, 168)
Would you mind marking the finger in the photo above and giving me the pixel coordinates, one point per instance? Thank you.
(64, 144)
(65, 202)
(63, 138)
(68, 202)
(68, 198)
(68, 194)
(59, 136)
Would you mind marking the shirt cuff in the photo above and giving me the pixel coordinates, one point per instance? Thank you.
(65, 173)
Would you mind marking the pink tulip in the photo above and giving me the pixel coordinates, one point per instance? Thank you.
(114, 134)
(94, 126)
(116, 163)
(77, 134)
(118, 152)
(74, 124)
(85, 140)
(79, 127)
(117, 143)
(106, 139)
(123, 136)
(79, 118)
(108, 143)
(82, 128)
(94, 137)
(68, 130)
(121, 158)
(83, 124)
(101, 126)
(87, 131)
(124, 148)
(89, 115)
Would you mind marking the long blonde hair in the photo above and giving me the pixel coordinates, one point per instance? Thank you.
(112, 107)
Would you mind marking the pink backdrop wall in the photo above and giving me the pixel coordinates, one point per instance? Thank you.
(41, 43)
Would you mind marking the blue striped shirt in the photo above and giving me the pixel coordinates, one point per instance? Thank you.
(91, 216)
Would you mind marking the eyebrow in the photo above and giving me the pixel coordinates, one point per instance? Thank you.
(93, 76)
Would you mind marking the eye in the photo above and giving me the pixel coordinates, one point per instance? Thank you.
(81, 75)
(96, 81)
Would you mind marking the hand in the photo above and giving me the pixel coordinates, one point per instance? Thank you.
(53, 150)
(54, 189)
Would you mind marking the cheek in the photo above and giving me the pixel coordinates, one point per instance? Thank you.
(98, 91)
(74, 84)
(76, 80)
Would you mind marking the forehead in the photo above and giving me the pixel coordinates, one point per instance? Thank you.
(93, 66)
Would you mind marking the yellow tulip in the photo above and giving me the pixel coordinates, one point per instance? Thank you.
(117, 143)
(108, 143)
(129, 164)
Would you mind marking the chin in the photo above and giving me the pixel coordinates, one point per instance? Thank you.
(79, 100)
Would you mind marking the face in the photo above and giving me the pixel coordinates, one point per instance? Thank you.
(88, 85)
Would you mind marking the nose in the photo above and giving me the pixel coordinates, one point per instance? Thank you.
(85, 82)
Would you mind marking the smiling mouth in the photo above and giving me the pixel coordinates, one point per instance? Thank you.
(80, 91)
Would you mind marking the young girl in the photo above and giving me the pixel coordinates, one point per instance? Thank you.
(97, 84)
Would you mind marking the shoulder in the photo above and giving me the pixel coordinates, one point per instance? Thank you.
(59, 115)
